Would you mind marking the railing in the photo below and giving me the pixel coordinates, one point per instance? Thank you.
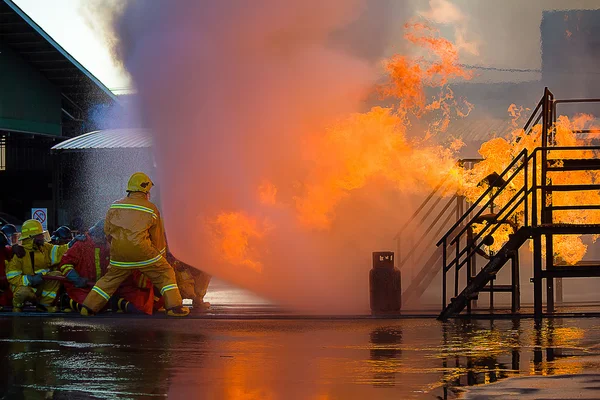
(430, 219)
(529, 206)
(460, 230)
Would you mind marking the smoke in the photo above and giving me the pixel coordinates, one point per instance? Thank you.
(446, 13)
(273, 173)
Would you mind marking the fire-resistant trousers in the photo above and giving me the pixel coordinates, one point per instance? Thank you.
(43, 294)
(160, 274)
(192, 284)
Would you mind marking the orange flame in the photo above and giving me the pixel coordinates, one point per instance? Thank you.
(236, 237)
(267, 193)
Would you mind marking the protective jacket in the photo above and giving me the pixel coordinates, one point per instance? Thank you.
(5, 292)
(135, 231)
(36, 260)
(91, 261)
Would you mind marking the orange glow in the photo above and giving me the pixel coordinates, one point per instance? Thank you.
(499, 152)
(236, 235)
(267, 193)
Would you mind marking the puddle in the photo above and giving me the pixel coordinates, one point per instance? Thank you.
(286, 359)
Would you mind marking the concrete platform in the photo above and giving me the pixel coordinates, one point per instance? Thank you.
(265, 358)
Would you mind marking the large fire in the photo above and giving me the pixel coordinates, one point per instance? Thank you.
(274, 174)
(374, 145)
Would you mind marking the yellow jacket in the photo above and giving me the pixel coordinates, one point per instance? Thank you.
(135, 231)
(35, 261)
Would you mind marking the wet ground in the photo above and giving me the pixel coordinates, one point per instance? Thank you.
(123, 357)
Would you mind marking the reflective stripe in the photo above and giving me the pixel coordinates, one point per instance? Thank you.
(13, 274)
(49, 294)
(97, 259)
(25, 280)
(163, 251)
(66, 271)
(53, 255)
(66, 266)
(42, 271)
(142, 281)
(167, 288)
(101, 292)
(134, 207)
(126, 264)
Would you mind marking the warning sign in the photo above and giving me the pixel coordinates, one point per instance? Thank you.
(40, 214)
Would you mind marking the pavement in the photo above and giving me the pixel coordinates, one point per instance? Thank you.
(116, 357)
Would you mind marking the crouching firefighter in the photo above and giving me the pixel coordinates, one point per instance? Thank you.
(137, 242)
(87, 261)
(26, 270)
(5, 257)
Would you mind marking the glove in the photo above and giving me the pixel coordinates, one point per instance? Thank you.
(79, 238)
(77, 280)
(18, 250)
(35, 280)
(81, 283)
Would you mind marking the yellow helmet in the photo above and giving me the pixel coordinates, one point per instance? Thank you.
(31, 228)
(139, 182)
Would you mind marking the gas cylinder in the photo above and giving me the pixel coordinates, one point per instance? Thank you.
(385, 284)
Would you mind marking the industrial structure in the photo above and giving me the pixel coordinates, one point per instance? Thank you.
(530, 212)
(46, 97)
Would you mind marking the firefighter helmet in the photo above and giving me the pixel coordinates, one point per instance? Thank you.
(31, 228)
(139, 182)
(8, 230)
(62, 234)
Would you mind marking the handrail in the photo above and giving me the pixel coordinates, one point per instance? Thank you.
(493, 197)
(420, 208)
(487, 191)
(521, 195)
(428, 230)
(495, 226)
(535, 110)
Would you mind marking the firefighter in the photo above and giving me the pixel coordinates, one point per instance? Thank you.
(11, 233)
(192, 282)
(5, 256)
(87, 261)
(25, 271)
(62, 235)
(137, 241)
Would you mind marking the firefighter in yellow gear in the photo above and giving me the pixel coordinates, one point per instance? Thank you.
(192, 283)
(25, 271)
(135, 232)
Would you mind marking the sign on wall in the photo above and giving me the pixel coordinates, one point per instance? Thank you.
(40, 214)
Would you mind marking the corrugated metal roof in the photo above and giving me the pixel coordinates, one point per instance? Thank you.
(108, 139)
(480, 129)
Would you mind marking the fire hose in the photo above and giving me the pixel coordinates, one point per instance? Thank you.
(62, 279)
(53, 278)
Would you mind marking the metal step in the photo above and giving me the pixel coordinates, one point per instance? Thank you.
(498, 288)
(566, 229)
(481, 280)
(574, 165)
(572, 271)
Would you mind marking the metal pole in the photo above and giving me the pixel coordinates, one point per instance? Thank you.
(549, 279)
(516, 283)
(537, 276)
(444, 277)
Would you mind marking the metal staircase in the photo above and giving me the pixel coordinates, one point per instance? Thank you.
(530, 213)
(416, 239)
